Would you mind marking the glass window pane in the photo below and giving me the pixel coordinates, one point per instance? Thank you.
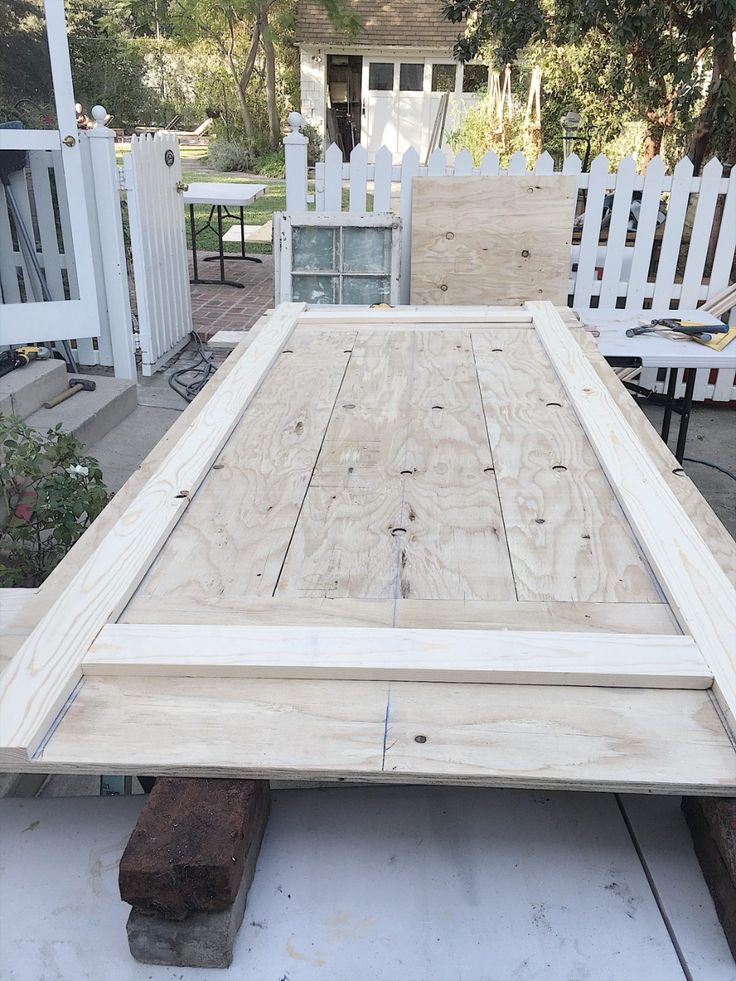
(443, 78)
(313, 248)
(475, 78)
(366, 289)
(366, 250)
(411, 78)
(314, 289)
(381, 76)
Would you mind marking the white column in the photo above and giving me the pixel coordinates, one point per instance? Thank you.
(295, 162)
(105, 196)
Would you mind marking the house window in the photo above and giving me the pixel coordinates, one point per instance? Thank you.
(475, 78)
(443, 78)
(338, 259)
(381, 76)
(411, 78)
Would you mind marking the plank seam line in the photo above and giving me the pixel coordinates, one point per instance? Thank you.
(38, 754)
(314, 467)
(385, 726)
(493, 464)
(655, 892)
(405, 463)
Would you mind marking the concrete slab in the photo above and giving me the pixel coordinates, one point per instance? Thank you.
(375, 884)
(26, 389)
(122, 450)
(90, 415)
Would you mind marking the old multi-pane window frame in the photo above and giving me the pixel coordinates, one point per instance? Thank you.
(338, 258)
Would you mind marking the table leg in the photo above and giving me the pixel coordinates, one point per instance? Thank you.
(194, 241)
(667, 419)
(220, 244)
(687, 405)
(242, 235)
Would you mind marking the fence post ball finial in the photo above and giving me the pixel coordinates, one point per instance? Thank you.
(99, 114)
(295, 121)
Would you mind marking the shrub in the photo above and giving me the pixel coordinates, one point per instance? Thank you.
(230, 156)
(314, 150)
(271, 164)
(51, 493)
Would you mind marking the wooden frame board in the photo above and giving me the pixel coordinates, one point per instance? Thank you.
(479, 659)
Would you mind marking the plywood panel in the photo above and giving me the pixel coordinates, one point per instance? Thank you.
(233, 539)
(491, 239)
(490, 735)
(567, 536)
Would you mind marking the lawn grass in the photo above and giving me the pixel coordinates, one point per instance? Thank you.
(258, 213)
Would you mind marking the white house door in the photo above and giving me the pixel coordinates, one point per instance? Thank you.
(68, 266)
(395, 104)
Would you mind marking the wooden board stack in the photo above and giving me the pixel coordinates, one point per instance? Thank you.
(422, 544)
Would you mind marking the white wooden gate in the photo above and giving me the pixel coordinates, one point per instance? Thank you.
(158, 244)
(51, 191)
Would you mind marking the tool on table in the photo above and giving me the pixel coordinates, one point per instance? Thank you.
(75, 385)
(686, 328)
(12, 161)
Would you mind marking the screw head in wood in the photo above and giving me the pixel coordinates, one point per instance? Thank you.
(525, 253)
(443, 287)
(449, 235)
(420, 739)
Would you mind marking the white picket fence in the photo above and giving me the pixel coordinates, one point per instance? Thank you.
(682, 262)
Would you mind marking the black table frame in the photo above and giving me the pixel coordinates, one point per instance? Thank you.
(680, 406)
(220, 257)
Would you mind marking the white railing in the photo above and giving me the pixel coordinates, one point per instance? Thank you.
(681, 261)
(40, 190)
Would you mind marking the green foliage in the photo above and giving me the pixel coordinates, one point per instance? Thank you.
(51, 493)
(230, 156)
(314, 149)
(478, 132)
(651, 61)
(271, 164)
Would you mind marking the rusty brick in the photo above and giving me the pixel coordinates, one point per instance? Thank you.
(189, 847)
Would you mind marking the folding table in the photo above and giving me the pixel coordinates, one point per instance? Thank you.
(658, 351)
(220, 196)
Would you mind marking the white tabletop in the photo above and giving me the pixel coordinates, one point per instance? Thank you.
(238, 195)
(654, 350)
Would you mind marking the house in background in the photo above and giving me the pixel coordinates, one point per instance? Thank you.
(385, 85)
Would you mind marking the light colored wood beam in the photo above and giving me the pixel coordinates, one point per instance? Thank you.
(699, 592)
(408, 315)
(389, 654)
(48, 667)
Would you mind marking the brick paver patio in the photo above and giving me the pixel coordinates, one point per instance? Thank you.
(225, 307)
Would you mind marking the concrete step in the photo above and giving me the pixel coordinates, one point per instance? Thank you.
(90, 415)
(24, 390)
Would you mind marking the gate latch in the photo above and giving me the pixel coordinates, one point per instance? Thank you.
(69, 141)
(181, 186)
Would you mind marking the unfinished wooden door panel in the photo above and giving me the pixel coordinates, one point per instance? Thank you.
(567, 536)
(378, 500)
(485, 239)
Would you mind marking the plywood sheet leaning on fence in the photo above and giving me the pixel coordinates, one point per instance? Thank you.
(484, 240)
(393, 545)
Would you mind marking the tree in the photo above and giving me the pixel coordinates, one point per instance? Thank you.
(669, 56)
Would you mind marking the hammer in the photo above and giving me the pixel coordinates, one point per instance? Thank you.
(75, 385)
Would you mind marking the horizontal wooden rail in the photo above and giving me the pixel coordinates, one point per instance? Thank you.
(336, 316)
(389, 654)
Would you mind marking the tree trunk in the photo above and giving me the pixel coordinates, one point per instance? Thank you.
(724, 74)
(274, 126)
(242, 101)
(653, 140)
(242, 79)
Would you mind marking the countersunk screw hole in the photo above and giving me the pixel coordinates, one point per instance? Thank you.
(678, 472)
(488, 470)
(559, 468)
(219, 466)
(349, 405)
(444, 287)
(539, 521)
(287, 351)
(183, 494)
(449, 236)
(438, 407)
(525, 253)
(406, 473)
(398, 531)
(420, 739)
(554, 405)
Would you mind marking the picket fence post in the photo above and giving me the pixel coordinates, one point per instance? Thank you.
(295, 165)
(112, 274)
